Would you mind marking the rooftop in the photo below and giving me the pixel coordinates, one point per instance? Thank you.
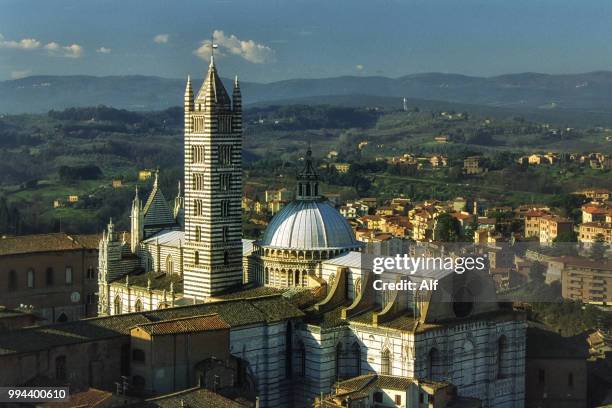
(236, 313)
(189, 324)
(193, 398)
(60, 241)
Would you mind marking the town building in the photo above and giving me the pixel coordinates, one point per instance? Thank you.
(52, 275)
(372, 390)
(473, 165)
(590, 232)
(586, 280)
(556, 370)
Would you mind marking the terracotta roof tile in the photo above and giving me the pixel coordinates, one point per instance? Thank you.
(188, 324)
(60, 241)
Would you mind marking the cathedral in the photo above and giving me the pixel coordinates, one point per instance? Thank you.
(192, 253)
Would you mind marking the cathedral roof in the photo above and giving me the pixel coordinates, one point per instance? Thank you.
(157, 211)
(308, 225)
(167, 237)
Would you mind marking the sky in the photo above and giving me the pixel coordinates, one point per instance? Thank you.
(271, 40)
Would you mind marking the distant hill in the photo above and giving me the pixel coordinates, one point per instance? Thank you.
(583, 92)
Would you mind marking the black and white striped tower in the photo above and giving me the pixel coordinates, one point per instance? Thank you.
(213, 189)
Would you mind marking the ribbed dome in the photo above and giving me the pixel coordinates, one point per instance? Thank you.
(309, 225)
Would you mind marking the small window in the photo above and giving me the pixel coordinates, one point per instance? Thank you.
(198, 233)
(30, 279)
(12, 280)
(398, 400)
(69, 275)
(541, 377)
(49, 276)
(196, 258)
(225, 258)
(225, 234)
(91, 272)
(91, 298)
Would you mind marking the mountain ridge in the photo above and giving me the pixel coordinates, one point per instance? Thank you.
(531, 90)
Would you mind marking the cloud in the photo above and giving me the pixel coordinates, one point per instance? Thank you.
(246, 49)
(20, 74)
(103, 50)
(53, 48)
(23, 44)
(161, 38)
(359, 67)
(68, 51)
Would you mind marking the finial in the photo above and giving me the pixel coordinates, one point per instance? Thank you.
(179, 188)
(149, 283)
(156, 177)
(212, 49)
(236, 82)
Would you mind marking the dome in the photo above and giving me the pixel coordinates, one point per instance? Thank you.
(309, 225)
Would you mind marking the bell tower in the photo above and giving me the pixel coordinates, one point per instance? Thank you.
(213, 188)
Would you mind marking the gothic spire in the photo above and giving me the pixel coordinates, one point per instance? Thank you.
(212, 92)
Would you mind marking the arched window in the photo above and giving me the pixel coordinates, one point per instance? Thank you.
(198, 233)
(62, 318)
(225, 257)
(117, 304)
(385, 362)
(338, 361)
(436, 371)
(301, 359)
(468, 363)
(60, 368)
(225, 233)
(356, 350)
(138, 306)
(196, 257)
(503, 360)
(169, 265)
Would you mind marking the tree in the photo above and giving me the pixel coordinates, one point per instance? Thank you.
(447, 229)
(5, 217)
(537, 272)
(598, 248)
(470, 231)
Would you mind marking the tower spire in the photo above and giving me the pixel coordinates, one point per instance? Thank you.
(308, 179)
